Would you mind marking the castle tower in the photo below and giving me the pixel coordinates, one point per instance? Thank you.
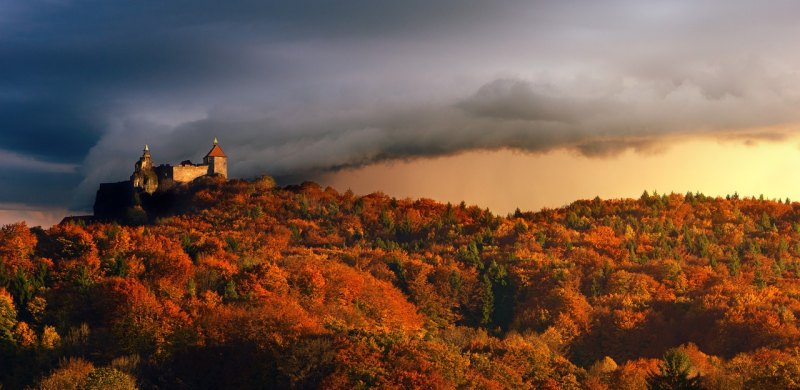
(216, 160)
(145, 162)
(143, 177)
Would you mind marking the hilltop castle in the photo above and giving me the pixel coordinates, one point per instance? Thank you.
(146, 195)
(149, 178)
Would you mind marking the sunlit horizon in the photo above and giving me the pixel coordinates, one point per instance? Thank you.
(505, 180)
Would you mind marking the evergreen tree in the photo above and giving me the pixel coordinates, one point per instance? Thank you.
(674, 373)
(487, 298)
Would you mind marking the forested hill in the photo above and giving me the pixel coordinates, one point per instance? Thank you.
(253, 286)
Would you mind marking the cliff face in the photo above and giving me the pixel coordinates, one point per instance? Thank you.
(122, 203)
(113, 200)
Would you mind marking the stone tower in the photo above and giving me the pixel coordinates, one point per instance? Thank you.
(144, 177)
(216, 160)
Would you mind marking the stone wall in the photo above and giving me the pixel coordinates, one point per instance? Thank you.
(187, 173)
(219, 165)
(145, 179)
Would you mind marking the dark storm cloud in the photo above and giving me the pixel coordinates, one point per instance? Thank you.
(36, 188)
(66, 66)
(516, 99)
(299, 88)
(49, 130)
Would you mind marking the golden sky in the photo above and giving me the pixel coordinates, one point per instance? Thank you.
(504, 180)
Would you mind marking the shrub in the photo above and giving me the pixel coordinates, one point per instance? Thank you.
(68, 376)
(107, 378)
(264, 183)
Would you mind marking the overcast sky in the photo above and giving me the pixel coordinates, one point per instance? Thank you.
(300, 89)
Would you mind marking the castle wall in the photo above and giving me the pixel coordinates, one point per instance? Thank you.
(187, 173)
(145, 179)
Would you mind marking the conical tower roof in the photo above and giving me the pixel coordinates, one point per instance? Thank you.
(216, 151)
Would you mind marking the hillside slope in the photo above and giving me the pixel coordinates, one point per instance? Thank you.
(250, 286)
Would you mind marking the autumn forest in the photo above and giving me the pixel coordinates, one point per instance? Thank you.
(249, 285)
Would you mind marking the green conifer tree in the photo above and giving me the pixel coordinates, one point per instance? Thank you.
(674, 373)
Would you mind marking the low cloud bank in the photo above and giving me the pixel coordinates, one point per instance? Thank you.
(599, 119)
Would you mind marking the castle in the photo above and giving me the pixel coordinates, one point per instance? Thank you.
(149, 178)
(147, 194)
